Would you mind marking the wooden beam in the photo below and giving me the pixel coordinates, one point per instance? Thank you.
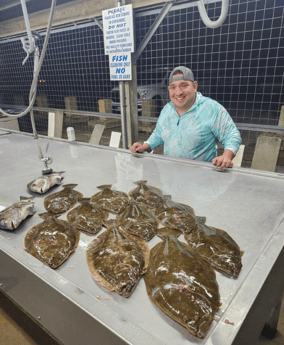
(66, 13)
(9, 3)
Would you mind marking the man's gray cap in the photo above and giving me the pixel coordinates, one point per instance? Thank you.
(187, 74)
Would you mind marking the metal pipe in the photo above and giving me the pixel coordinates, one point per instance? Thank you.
(123, 114)
(208, 22)
(37, 70)
(30, 49)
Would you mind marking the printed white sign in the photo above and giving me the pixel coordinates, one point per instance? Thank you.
(120, 66)
(118, 30)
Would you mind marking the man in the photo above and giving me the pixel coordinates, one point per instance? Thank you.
(190, 124)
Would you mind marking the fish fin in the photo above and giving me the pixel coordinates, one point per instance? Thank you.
(109, 223)
(70, 185)
(242, 252)
(83, 199)
(200, 219)
(45, 215)
(26, 198)
(104, 186)
(164, 232)
(141, 183)
(59, 179)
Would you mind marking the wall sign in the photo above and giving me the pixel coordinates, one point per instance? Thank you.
(119, 41)
(118, 30)
(120, 66)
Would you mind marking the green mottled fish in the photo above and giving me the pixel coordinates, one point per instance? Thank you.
(88, 217)
(62, 201)
(182, 285)
(52, 240)
(217, 247)
(117, 259)
(110, 200)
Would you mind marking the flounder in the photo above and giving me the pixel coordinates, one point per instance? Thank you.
(138, 221)
(52, 240)
(111, 200)
(12, 216)
(176, 215)
(217, 247)
(88, 218)
(148, 195)
(117, 260)
(62, 201)
(43, 183)
(167, 231)
(182, 285)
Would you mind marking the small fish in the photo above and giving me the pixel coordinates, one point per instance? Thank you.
(182, 285)
(110, 200)
(217, 247)
(43, 183)
(88, 218)
(117, 259)
(62, 201)
(52, 241)
(176, 215)
(12, 216)
(147, 195)
(138, 221)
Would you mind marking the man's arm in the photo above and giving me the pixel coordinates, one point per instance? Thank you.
(137, 147)
(225, 160)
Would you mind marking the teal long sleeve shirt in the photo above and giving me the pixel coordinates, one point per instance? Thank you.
(194, 134)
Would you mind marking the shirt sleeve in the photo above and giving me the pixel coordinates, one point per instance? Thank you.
(225, 130)
(155, 138)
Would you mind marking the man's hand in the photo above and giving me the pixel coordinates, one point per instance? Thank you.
(224, 161)
(137, 147)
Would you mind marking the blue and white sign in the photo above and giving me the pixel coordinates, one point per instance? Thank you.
(120, 66)
(118, 30)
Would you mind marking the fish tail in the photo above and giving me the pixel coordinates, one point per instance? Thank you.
(26, 198)
(141, 182)
(70, 185)
(104, 186)
(200, 220)
(83, 199)
(109, 223)
(46, 215)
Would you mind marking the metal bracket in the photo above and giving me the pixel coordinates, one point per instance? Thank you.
(152, 30)
(99, 24)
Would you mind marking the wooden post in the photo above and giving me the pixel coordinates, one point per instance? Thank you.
(266, 153)
(55, 123)
(41, 101)
(9, 123)
(97, 134)
(148, 110)
(70, 104)
(237, 160)
(281, 117)
(115, 139)
(105, 106)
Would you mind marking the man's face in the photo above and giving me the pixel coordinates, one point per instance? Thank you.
(182, 93)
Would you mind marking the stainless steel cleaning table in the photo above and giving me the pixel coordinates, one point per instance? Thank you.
(248, 204)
